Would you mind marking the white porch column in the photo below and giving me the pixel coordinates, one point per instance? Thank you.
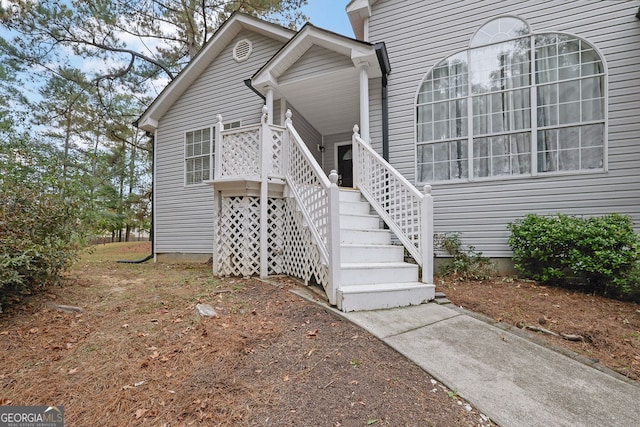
(265, 167)
(364, 101)
(269, 103)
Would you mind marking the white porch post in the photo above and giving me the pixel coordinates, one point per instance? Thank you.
(217, 195)
(265, 167)
(217, 148)
(364, 101)
(269, 103)
(426, 238)
(355, 157)
(333, 238)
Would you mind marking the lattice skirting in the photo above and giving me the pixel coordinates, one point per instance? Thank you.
(238, 236)
(302, 258)
(290, 247)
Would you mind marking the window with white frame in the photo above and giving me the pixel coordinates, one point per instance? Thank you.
(515, 103)
(198, 147)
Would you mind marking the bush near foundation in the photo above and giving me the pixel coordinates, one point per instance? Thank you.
(602, 253)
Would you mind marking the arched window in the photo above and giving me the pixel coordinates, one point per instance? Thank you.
(514, 103)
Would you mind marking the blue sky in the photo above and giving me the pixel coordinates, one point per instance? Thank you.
(329, 14)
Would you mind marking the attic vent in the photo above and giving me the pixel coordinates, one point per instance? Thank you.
(242, 50)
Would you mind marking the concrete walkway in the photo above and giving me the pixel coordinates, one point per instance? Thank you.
(511, 379)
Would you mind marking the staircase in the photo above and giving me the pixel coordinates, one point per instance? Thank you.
(292, 218)
(373, 272)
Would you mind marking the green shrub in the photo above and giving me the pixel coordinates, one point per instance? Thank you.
(600, 252)
(37, 239)
(466, 264)
(40, 226)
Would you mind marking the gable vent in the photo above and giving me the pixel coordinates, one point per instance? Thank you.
(242, 50)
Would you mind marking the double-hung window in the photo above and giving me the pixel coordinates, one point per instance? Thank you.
(513, 104)
(198, 155)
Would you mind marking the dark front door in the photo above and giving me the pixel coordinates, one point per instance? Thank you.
(345, 165)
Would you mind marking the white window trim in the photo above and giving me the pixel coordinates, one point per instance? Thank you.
(185, 157)
(534, 124)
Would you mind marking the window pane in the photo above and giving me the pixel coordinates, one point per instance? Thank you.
(500, 29)
(481, 167)
(571, 148)
(500, 66)
(502, 155)
(569, 113)
(568, 160)
(592, 135)
(568, 137)
(442, 161)
(425, 172)
(591, 88)
(592, 158)
(592, 109)
(569, 91)
(502, 112)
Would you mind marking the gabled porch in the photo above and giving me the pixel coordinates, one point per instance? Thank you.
(324, 78)
(277, 212)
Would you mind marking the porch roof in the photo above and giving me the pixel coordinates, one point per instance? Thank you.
(328, 98)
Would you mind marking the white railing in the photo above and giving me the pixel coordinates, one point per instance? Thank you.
(247, 151)
(407, 211)
(317, 198)
(268, 153)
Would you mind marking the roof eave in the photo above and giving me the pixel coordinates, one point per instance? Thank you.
(358, 11)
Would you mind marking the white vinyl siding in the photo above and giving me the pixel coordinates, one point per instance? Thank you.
(316, 61)
(184, 214)
(418, 35)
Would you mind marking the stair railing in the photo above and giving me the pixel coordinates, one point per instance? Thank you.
(317, 197)
(407, 211)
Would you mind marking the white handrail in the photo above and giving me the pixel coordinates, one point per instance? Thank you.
(298, 189)
(317, 198)
(407, 211)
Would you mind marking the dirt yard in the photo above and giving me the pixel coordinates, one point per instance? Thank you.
(604, 330)
(138, 354)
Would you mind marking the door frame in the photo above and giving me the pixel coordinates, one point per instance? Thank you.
(336, 160)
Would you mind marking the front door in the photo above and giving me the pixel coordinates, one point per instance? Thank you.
(345, 165)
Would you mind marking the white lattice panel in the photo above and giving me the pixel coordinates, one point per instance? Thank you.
(277, 134)
(313, 196)
(276, 224)
(238, 237)
(240, 153)
(401, 202)
(302, 258)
